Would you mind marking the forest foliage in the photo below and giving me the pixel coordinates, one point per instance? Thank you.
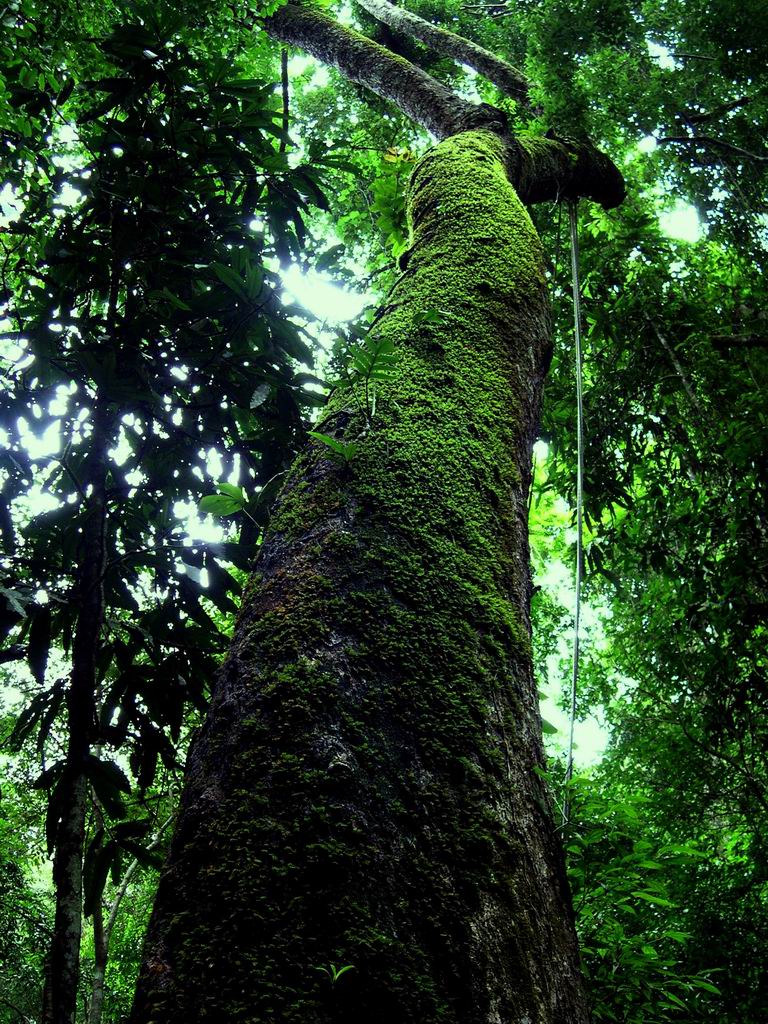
(158, 179)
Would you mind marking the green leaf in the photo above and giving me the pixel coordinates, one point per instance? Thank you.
(66, 92)
(108, 783)
(335, 973)
(132, 828)
(432, 316)
(652, 897)
(91, 853)
(57, 695)
(706, 985)
(302, 379)
(547, 728)
(286, 336)
(328, 258)
(260, 395)
(675, 1000)
(26, 722)
(108, 773)
(231, 279)
(28, 78)
(232, 491)
(49, 776)
(677, 936)
(14, 600)
(339, 448)
(148, 858)
(174, 300)
(251, 87)
(219, 505)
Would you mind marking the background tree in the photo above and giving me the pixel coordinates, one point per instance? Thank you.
(138, 315)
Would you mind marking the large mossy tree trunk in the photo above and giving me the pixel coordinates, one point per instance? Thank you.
(365, 790)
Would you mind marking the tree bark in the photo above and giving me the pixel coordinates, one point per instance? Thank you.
(506, 78)
(365, 789)
(72, 799)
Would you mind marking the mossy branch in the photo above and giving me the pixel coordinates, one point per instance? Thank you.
(545, 169)
(416, 93)
(504, 76)
(541, 169)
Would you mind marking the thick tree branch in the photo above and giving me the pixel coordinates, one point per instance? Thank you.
(506, 78)
(693, 117)
(541, 169)
(250, 898)
(394, 78)
(546, 170)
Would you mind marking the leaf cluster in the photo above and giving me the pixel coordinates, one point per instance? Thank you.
(143, 315)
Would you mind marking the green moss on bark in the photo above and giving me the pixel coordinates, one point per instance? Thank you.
(364, 792)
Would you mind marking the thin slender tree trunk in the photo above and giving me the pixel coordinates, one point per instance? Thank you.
(365, 791)
(102, 932)
(100, 956)
(73, 796)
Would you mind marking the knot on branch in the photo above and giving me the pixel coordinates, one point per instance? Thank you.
(483, 115)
